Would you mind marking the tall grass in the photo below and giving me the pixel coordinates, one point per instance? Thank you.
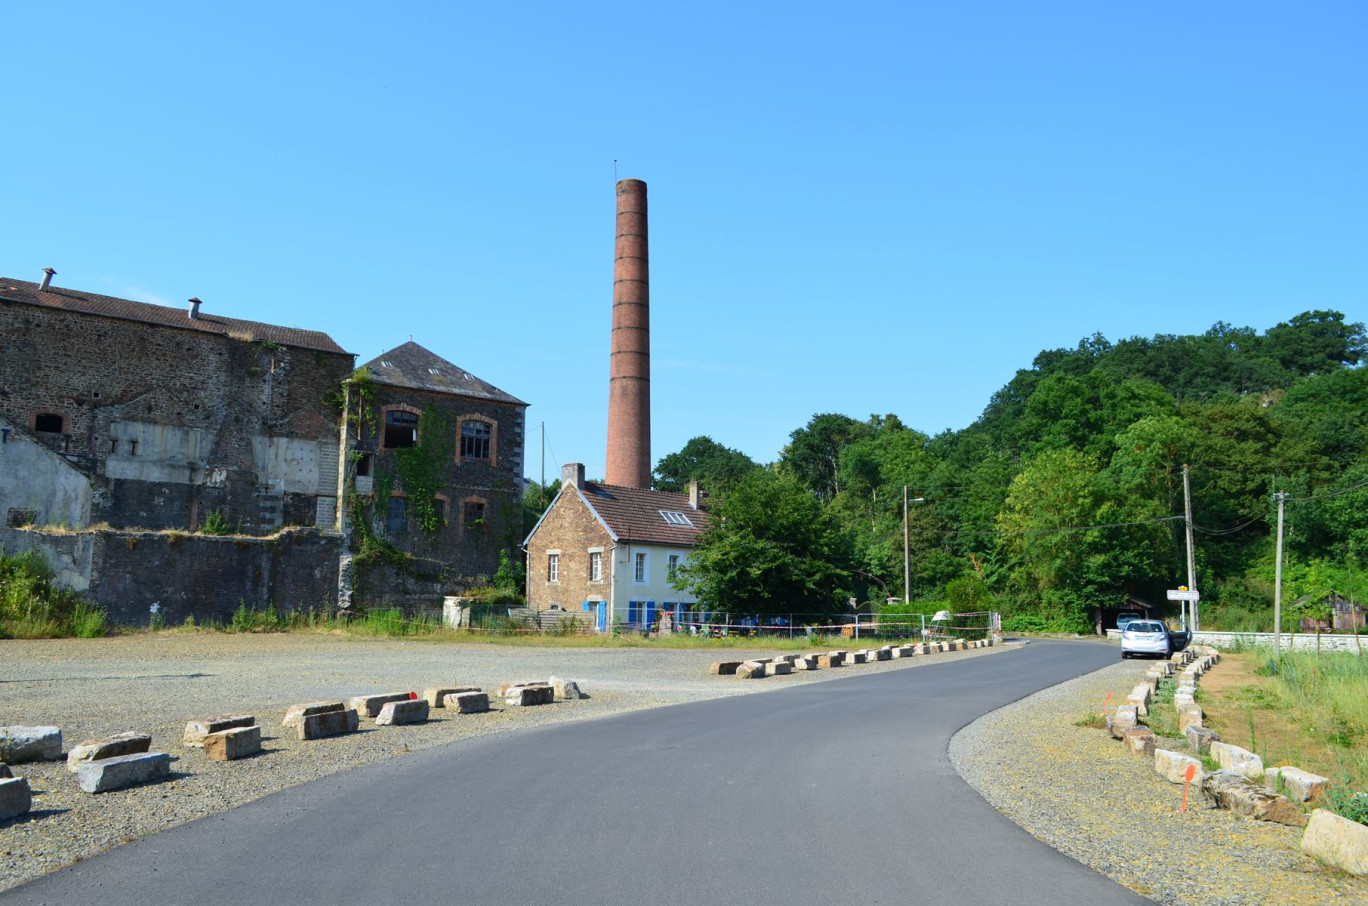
(34, 606)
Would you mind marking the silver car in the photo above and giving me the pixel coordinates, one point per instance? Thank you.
(1145, 637)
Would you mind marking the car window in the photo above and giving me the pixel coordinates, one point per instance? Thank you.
(1138, 626)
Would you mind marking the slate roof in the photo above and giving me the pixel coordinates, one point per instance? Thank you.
(59, 297)
(633, 514)
(416, 368)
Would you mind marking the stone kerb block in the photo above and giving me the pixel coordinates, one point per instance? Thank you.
(409, 711)
(751, 670)
(295, 714)
(804, 663)
(1172, 766)
(879, 654)
(566, 690)
(1189, 716)
(370, 705)
(524, 696)
(1337, 842)
(1295, 784)
(109, 747)
(1232, 790)
(435, 695)
(467, 702)
(122, 771)
(855, 657)
(1140, 741)
(724, 668)
(19, 744)
(828, 661)
(1124, 719)
(780, 668)
(197, 730)
(1201, 738)
(328, 723)
(1241, 761)
(15, 797)
(232, 744)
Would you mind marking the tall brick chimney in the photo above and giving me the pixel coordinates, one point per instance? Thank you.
(629, 381)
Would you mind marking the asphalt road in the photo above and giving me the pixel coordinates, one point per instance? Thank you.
(825, 793)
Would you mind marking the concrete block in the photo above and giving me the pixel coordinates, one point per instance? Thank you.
(408, 711)
(328, 723)
(1337, 842)
(1124, 719)
(1140, 741)
(436, 695)
(196, 730)
(109, 747)
(827, 661)
(232, 744)
(780, 668)
(804, 663)
(1295, 784)
(467, 702)
(566, 690)
(724, 668)
(879, 654)
(1189, 716)
(122, 771)
(15, 797)
(855, 657)
(1201, 738)
(523, 696)
(19, 744)
(295, 714)
(370, 705)
(1241, 761)
(752, 670)
(1231, 790)
(1172, 766)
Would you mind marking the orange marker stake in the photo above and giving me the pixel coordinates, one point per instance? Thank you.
(1106, 702)
(1187, 779)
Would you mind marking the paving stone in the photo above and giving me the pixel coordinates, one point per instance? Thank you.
(467, 702)
(109, 747)
(328, 723)
(196, 730)
(122, 771)
(1231, 790)
(436, 695)
(232, 744)
(724, 668)
(370, 705)
(15, 797)
(1337, 841)
(1295, 784)
(1172, 766)
(409, 711)
(296, 713)
(19, 744)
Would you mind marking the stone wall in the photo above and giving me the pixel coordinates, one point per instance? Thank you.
(572, 529)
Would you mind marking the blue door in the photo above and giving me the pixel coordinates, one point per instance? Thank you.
(602, 616)
(650, 614)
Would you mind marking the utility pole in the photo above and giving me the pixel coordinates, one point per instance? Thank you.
(1277, 579)
(1191, 561)
(907, 551)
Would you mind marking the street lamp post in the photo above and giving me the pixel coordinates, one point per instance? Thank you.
(907, 550)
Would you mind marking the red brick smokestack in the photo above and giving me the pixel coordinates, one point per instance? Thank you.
(629, 382)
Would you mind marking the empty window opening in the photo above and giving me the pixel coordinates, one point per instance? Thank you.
(18, 518)
(475, 437)
(113, 445)
(474, 513)
(47, 423)
(439, 509)
(396, 520)
(132, 448)
(364, 464)
(401, 429)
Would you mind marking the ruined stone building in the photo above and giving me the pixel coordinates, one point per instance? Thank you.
(125, 427)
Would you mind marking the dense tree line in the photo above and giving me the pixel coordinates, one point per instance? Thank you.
(1066, 495)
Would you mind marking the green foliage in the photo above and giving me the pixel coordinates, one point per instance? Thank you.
(34, 606)
(510, 578)
(1348, 804)
(704, 460)
(248, 618)
(217, 524)
(422, 467)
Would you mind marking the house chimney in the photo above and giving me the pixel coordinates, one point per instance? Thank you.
(629, 382)
(572, 474)
(695, 494)
(194, 309)
(48, 274)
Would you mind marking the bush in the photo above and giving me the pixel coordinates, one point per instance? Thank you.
(34, 606)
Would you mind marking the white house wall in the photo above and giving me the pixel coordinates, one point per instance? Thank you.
(655, 589)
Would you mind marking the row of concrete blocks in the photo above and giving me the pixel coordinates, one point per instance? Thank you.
(785, 664)
(1242, 784)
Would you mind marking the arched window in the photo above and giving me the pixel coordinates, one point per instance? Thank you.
(477, 439)
(401, 428)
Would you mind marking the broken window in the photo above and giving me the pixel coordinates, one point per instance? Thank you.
(475, 439)
(396, 520)
(439, 507)
(113, 445)
(401, 429)
(47, 423)
(474, 513)
(363, 465)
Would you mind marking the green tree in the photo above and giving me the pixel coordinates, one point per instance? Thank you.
(704, 460)
(813, 454)
(770, 549)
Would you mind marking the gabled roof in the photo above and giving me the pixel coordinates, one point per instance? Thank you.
(416, 368)
(634, 514)
(64, 299)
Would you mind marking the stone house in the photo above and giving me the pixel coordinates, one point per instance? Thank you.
(607, 554)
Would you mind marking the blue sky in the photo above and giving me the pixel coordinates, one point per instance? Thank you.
(860, 207)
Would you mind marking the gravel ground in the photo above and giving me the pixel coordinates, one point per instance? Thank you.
(1079, 791)
(155, 684)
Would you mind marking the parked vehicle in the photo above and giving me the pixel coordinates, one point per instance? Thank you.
(1127, 616)
(1145, 637)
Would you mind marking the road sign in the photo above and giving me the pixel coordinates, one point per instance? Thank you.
(1182, 594)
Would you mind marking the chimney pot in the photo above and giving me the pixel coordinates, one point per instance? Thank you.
(48, 274)
(572, 474)
(194, 308)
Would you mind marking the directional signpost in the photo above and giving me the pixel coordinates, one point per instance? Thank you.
(1189, 599)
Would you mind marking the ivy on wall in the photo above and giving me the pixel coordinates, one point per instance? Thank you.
(422, 467)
